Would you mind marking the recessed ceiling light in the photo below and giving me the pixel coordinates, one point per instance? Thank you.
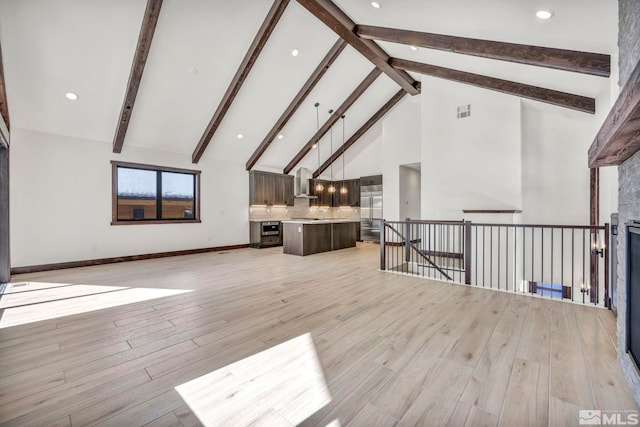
(314, 145)
(295, 52)
(71, 95)
(375, 4)
(280, 136)
(544, 14)
(414, 47)
(239, 136)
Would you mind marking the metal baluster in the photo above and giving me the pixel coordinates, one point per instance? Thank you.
(498, 258)
(562, 258)
(584, 266)
(491, 256)
(484, 246)
(476, 281)
(542, 256)
(533, 247)
(552, 262)
(573, 264)
(524, 267)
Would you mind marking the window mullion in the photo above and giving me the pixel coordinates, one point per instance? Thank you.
(159, 195)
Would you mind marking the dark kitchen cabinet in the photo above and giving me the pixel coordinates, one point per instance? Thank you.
(371, 180)
(324, 198)
(267, 188)
(288, 190)
(352, 198)
(258, 188)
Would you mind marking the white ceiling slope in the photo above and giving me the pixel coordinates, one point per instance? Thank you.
(51, 47)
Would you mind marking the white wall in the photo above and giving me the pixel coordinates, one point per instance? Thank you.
(555, 173)
(473, 162)
(361, 159)
(61, 202)
(400, 146)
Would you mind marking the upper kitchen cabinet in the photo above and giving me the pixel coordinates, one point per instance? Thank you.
(354, 192)
(352, 197)
(324, 198)
(266, 188)
(371, 180)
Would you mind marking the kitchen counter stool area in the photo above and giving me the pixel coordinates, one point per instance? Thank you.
(307, 237)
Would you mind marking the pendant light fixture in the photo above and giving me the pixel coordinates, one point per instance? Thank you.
(343, 189)
(331, 189)
(319, 187)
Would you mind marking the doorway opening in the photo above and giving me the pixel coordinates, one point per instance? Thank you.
(410, 189)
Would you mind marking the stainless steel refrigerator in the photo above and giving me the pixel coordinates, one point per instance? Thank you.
(370, 213)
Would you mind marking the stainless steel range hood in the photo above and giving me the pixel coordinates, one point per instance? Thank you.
(301, 186)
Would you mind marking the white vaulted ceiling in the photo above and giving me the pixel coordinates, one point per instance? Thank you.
(51, 47)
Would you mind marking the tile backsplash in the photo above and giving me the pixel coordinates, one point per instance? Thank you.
(301, 209)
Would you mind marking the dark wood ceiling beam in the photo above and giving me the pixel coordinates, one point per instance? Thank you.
(151, 14)
(315, 77)
(356, 136)
(351, 99)
(334, 18)
(260, 40)
(596, 64)
(554, 97)
(619, 136)
(4, 106)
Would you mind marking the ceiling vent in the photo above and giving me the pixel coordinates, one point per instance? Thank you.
(464, 111)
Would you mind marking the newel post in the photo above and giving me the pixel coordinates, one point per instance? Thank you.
(467, 252)
(383, 245)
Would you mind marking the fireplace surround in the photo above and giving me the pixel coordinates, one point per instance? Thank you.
(633, 291)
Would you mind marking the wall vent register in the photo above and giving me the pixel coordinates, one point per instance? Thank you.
(464, 111)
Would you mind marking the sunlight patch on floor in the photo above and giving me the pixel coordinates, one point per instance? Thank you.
(283, 385)
(28, 302)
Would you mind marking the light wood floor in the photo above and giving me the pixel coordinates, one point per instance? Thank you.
(382, 350)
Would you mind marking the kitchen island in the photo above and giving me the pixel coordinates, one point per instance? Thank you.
(307, 236)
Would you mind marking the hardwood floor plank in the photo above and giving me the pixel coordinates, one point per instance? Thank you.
(609, 388)
(405, 387)
(271, 419)
(569, 378)
(370, 416)
(527, 398)
(535, 341)
(186, 416)
(147, 412)
(467, 414)
(30, 387)
(563, 412)
(38, 410)
(347, 403)
(434, 406)
(167, 420)
(487, 388)
(472, 343)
